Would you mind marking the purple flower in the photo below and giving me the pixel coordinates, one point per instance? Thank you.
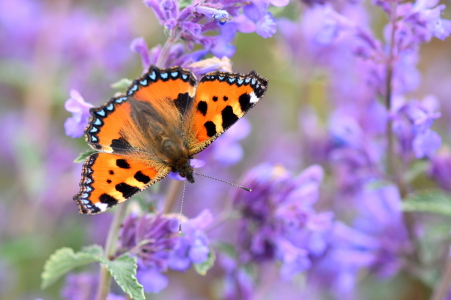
(279, 222)
(152, 279)
(75, 126)
(139, 46)
(377, 241)
(154, 239)
(151, 239)
(83, 286)
(425, 20)
(195, 22)
(80, 286)
(412, 122)
(202, 67)
(238, 284)
(193, 246)
(266, 26)
(214, 14)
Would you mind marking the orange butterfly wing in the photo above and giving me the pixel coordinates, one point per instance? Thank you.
(115, 130)
(221, 100)
(127, 130)
(109, 179)
(111, 121)
(175, 83)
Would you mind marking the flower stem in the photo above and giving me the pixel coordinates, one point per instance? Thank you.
(391, 161)
(110, 248)
(165, 51)
(441, 290)
(172, 195)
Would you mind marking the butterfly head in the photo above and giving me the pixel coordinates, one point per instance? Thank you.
(187, 172)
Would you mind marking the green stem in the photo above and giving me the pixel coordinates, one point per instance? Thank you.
(110, 249)
(441, 290)
(391, 161)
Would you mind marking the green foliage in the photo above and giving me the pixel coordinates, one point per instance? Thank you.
(123, 269)
(203, 267)
(65, 259)
(433, 201)
(82, 157)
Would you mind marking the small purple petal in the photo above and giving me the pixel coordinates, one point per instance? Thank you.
(76, 125)
(152, 280)
(139, 45)
(266, 26)
(425, 144)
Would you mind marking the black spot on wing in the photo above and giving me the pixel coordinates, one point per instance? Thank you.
(202, 107)
(215, 98)
(108, 181)
(211, 128)
(225, 98)
(142, 177)
(228, 117)
(126, 190)
(111, 172)
(120, 145)
(183, 102)
(122, 163)
(245, 101)
(107, 199)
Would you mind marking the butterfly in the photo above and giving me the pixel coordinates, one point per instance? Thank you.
(164, 119)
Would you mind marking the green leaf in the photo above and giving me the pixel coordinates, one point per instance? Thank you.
(203, 267)
(418, 168)
(122, 84)
(226, 248)
(83, 156)
(433, 201)
(123, 270)
(65, 259)
(184, 3)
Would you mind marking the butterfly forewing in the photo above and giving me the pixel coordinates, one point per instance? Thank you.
(104, 131)
(156, 85)
(221, 100)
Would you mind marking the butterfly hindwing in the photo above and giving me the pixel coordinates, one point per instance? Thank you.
(109, 179)
(221, 100)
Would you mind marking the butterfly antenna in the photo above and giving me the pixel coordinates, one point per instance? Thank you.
(181, 207)
(233, 184)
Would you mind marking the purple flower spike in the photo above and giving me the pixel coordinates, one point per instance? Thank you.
(193, 246)
(279, 221)
(75, 126)
(155, 237)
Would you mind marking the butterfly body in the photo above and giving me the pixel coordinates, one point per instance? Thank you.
(164, 119)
